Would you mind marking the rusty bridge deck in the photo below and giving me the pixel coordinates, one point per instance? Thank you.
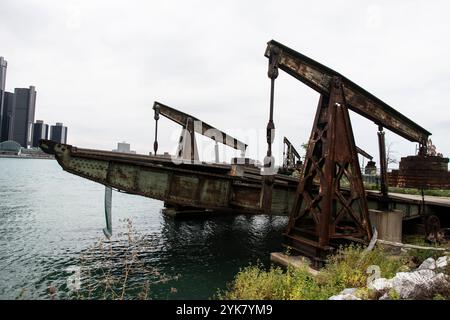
(221, 187)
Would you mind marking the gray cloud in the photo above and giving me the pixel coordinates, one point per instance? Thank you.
(99, 65)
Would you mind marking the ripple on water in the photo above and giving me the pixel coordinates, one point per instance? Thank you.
(51, 220)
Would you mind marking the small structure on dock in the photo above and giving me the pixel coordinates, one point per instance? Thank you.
(422, 172)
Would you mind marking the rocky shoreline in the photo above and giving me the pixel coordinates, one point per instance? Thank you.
(430, 280)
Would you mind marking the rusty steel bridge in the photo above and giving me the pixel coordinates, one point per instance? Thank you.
(326, 203)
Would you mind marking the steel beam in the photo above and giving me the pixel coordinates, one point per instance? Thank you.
(383, 169)
(204, 129)
(363, 153)
(319, 77)
(291, 148)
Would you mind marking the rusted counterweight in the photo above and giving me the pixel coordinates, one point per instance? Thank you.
(422, 172)
(322, 218)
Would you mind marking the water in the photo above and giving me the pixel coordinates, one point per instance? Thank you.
(50, 218)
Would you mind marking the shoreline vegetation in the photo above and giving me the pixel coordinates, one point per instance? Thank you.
(351, 267)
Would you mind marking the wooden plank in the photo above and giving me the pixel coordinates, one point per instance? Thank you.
(411, 246)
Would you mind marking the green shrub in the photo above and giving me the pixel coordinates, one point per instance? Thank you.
(255, 283)
(346, 269)
(417, 256)
(393, 295)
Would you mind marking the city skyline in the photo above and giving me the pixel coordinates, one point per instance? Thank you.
(17, 116)
(108, 68)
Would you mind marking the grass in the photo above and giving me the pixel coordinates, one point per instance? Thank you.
(348, 268)
(255, 283)
(418, 255)
(427, 192)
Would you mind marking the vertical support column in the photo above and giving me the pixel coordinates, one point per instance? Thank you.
(423, 148)
(290, 157)
(327, 203)
(187, 146)
(155, 144)
(216, 152)
(383, 169)
(190, 129)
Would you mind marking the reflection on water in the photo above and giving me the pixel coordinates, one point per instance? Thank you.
(50, 218)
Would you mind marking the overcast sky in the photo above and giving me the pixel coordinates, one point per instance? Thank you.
(99, 65)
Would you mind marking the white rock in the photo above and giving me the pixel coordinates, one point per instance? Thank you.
(348, 291)
(442, 262)
(417, 284)
(381, 284)
(441, 279)
(385, 296)
(343, 297)
(429, 263)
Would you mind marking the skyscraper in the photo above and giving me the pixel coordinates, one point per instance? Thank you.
(58, 133)
(7, 124)
(3, 67)
(124, 147)
(24, 107)
(40, 131)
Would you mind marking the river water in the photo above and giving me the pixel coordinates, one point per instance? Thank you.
(51, 225)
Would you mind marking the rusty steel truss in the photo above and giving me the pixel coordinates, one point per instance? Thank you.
(291, 157)
(324, 217)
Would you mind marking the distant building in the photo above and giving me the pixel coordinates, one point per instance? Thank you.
(58, 133)
(24, 108)
(3, 67)
(6, 132)
(124, 147)
(40, 131)
(10, 148)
